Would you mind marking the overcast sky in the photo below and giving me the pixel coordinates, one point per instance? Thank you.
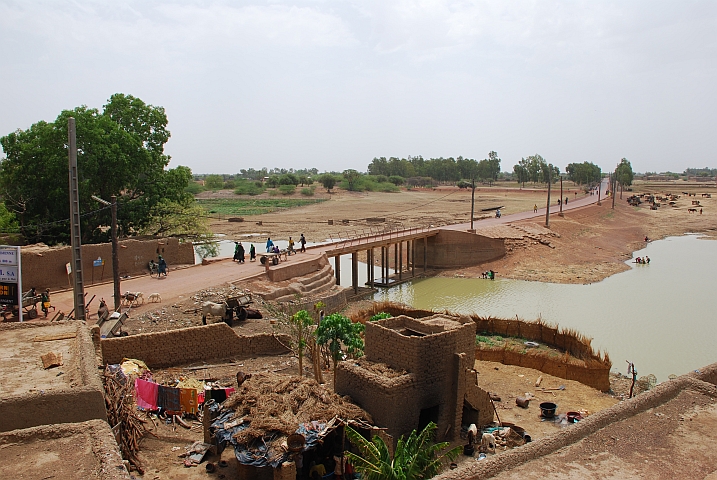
(333, 84)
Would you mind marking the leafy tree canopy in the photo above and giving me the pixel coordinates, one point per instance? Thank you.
(338, 333)
(585, 173)
(120, 151)
(624, 173)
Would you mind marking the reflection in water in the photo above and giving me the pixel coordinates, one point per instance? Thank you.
(660, 316)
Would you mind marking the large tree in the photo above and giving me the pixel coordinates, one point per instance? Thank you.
(120, 151)
(585, 173)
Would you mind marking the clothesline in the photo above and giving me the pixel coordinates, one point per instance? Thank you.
(152, 396)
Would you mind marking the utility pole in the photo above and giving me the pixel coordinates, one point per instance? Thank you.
(561, 196)
(614, 184)
(115, 254)
(473, 203)
(115, 249)
(547, 210)
(78, 287)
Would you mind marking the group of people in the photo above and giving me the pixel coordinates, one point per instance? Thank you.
(160, 266)
(643, 260)
(490, 275)
(239, 252)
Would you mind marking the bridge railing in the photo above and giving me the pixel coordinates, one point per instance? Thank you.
(350, 238)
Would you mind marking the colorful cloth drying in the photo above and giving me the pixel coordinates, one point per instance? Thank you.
(168, 398)
(146, 394)
(188, 400)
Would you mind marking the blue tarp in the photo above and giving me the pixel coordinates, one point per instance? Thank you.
(257, 453)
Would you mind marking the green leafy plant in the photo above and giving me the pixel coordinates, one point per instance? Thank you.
(287, 189)
(416, 458)
(300, 323)
(380, 316)
(338, 332)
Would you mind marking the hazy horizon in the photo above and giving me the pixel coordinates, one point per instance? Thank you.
(331, 85)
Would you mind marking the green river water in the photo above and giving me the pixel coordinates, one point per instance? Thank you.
(660, 316)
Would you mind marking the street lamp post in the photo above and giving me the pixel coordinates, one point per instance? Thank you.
(115, 253)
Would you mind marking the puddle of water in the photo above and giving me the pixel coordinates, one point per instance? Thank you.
(660, 316)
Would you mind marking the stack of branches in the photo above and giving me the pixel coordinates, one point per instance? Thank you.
(280, 403)
(128, 427)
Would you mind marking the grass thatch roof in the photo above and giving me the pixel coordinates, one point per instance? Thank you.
(280, 403)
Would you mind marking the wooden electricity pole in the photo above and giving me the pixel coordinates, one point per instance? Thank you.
(473, 196)
(561, 195)
(78, 287)
(547, 210)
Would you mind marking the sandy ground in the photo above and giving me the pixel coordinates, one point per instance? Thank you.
(419, 207)
(586, 245)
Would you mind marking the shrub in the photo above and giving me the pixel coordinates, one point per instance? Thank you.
(287, 189)
(194, 188)
(272, 182)
(213, 182)
(308, 192)
(249, 188)
(229, 184)
(463, 184)
(396, 180)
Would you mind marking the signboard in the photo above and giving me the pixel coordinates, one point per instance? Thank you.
(8, 293)
(8, 255)
(98, 263)
(10, 281)
(8, 274)
(68, 267)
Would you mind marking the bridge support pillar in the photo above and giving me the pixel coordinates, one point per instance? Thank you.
(413, 257)
(337, 269)
(369, 262)
(395, 258)
(400, 260)
(425, 253)
(354, 271)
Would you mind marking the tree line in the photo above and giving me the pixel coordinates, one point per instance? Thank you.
(440, 169)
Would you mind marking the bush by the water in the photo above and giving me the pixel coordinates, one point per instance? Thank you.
(246, 187)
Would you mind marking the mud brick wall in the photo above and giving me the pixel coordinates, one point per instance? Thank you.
(433, 361)
(390, 401)
(188, 345)
(44, 267)
(80, 403)
(453, 249)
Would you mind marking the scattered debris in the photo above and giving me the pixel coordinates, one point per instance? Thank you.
(51, 359)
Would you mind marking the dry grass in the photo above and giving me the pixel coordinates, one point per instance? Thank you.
(279, 403)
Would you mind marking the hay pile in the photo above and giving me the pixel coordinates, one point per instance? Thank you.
(279, 403)
(380, 369)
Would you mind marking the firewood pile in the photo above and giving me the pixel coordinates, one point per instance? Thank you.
(127, 426)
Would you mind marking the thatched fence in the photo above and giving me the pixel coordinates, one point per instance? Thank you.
(579, 362)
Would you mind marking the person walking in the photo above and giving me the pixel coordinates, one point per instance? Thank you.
(240, 252)
(252, 253)
(535, 208)
(566, 200)
(302, 241)
(162, 266)
(291, 250)
(269, 244)
(45, 299)
(236, 252)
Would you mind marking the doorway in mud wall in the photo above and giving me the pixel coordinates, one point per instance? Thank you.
(470, 415)
(426, 416)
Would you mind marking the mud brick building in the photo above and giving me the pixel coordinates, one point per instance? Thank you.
(430, 375)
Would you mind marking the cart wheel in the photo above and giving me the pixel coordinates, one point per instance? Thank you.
(262, 260)
(275, 260)
(32, 313)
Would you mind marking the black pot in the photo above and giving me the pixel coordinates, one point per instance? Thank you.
(547, 409)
